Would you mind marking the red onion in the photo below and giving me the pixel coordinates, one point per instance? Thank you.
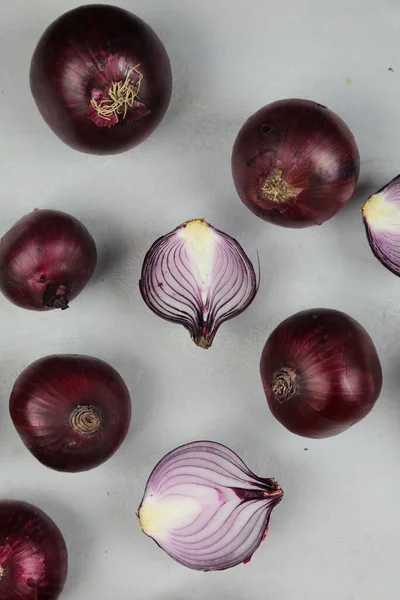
(295, 163)
(101, 79)
(321, 373)
(205, 508)
(199, 277)
(381, 215)
(46, 259)
(72, 412)
(33, 555)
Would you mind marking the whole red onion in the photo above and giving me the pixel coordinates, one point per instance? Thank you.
(295, 163)
(321, 372)
(72, 412)
(101, 79)
(33, 555)
(46, 259)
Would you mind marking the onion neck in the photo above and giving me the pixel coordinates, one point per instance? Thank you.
(283, 384)
(276, 189)
(85, 420)
(55, 296)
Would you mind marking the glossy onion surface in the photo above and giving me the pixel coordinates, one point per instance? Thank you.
(33, 554)
(321, 373)
(72, 412)
(101, 79)
(46, 259)
(295, 163)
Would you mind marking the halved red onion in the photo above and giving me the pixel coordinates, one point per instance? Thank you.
(199, 277)
(204, 507)
(381, 216)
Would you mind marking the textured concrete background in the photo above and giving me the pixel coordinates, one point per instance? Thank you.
(336, 535)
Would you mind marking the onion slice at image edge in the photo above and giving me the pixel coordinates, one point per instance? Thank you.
(381, 216)
(199, 277)
(204, 507)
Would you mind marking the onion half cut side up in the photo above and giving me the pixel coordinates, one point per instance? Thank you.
(199, 277)
(205, 508)
(101, 79)
(72, 412)
(321, 372)
(295, 163)
(46, 259)
(33, 554)
(381, 216)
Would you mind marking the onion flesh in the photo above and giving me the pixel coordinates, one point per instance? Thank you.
(321, 373)
(33, 554)
(205, 508)
(101, 79)
(72, 412)
(199, 277)
(295, 163)
(381, 216)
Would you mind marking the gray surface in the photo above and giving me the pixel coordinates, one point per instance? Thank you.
(336, 534)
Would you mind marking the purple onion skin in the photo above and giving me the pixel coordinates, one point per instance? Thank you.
(45, 398)
(325, 371)
(33, 554)
(70, 61)
(314, 151)
(46, 259)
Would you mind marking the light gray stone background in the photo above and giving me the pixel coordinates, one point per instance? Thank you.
(336, 535)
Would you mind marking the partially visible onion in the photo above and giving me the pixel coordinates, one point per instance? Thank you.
(33, 554)
(295, 163)
(199, 277)
(72, 412)
(205, 508)
(101, 79)
(381, 216)
(321, 372)
(46, 259)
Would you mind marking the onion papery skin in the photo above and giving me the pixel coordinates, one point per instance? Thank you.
(321, 373)
(204, 507)
(33, 554)
(78, 60)
(381, 216)
(72, 412)
(199, 277)
(295, 163)
(46, 259)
